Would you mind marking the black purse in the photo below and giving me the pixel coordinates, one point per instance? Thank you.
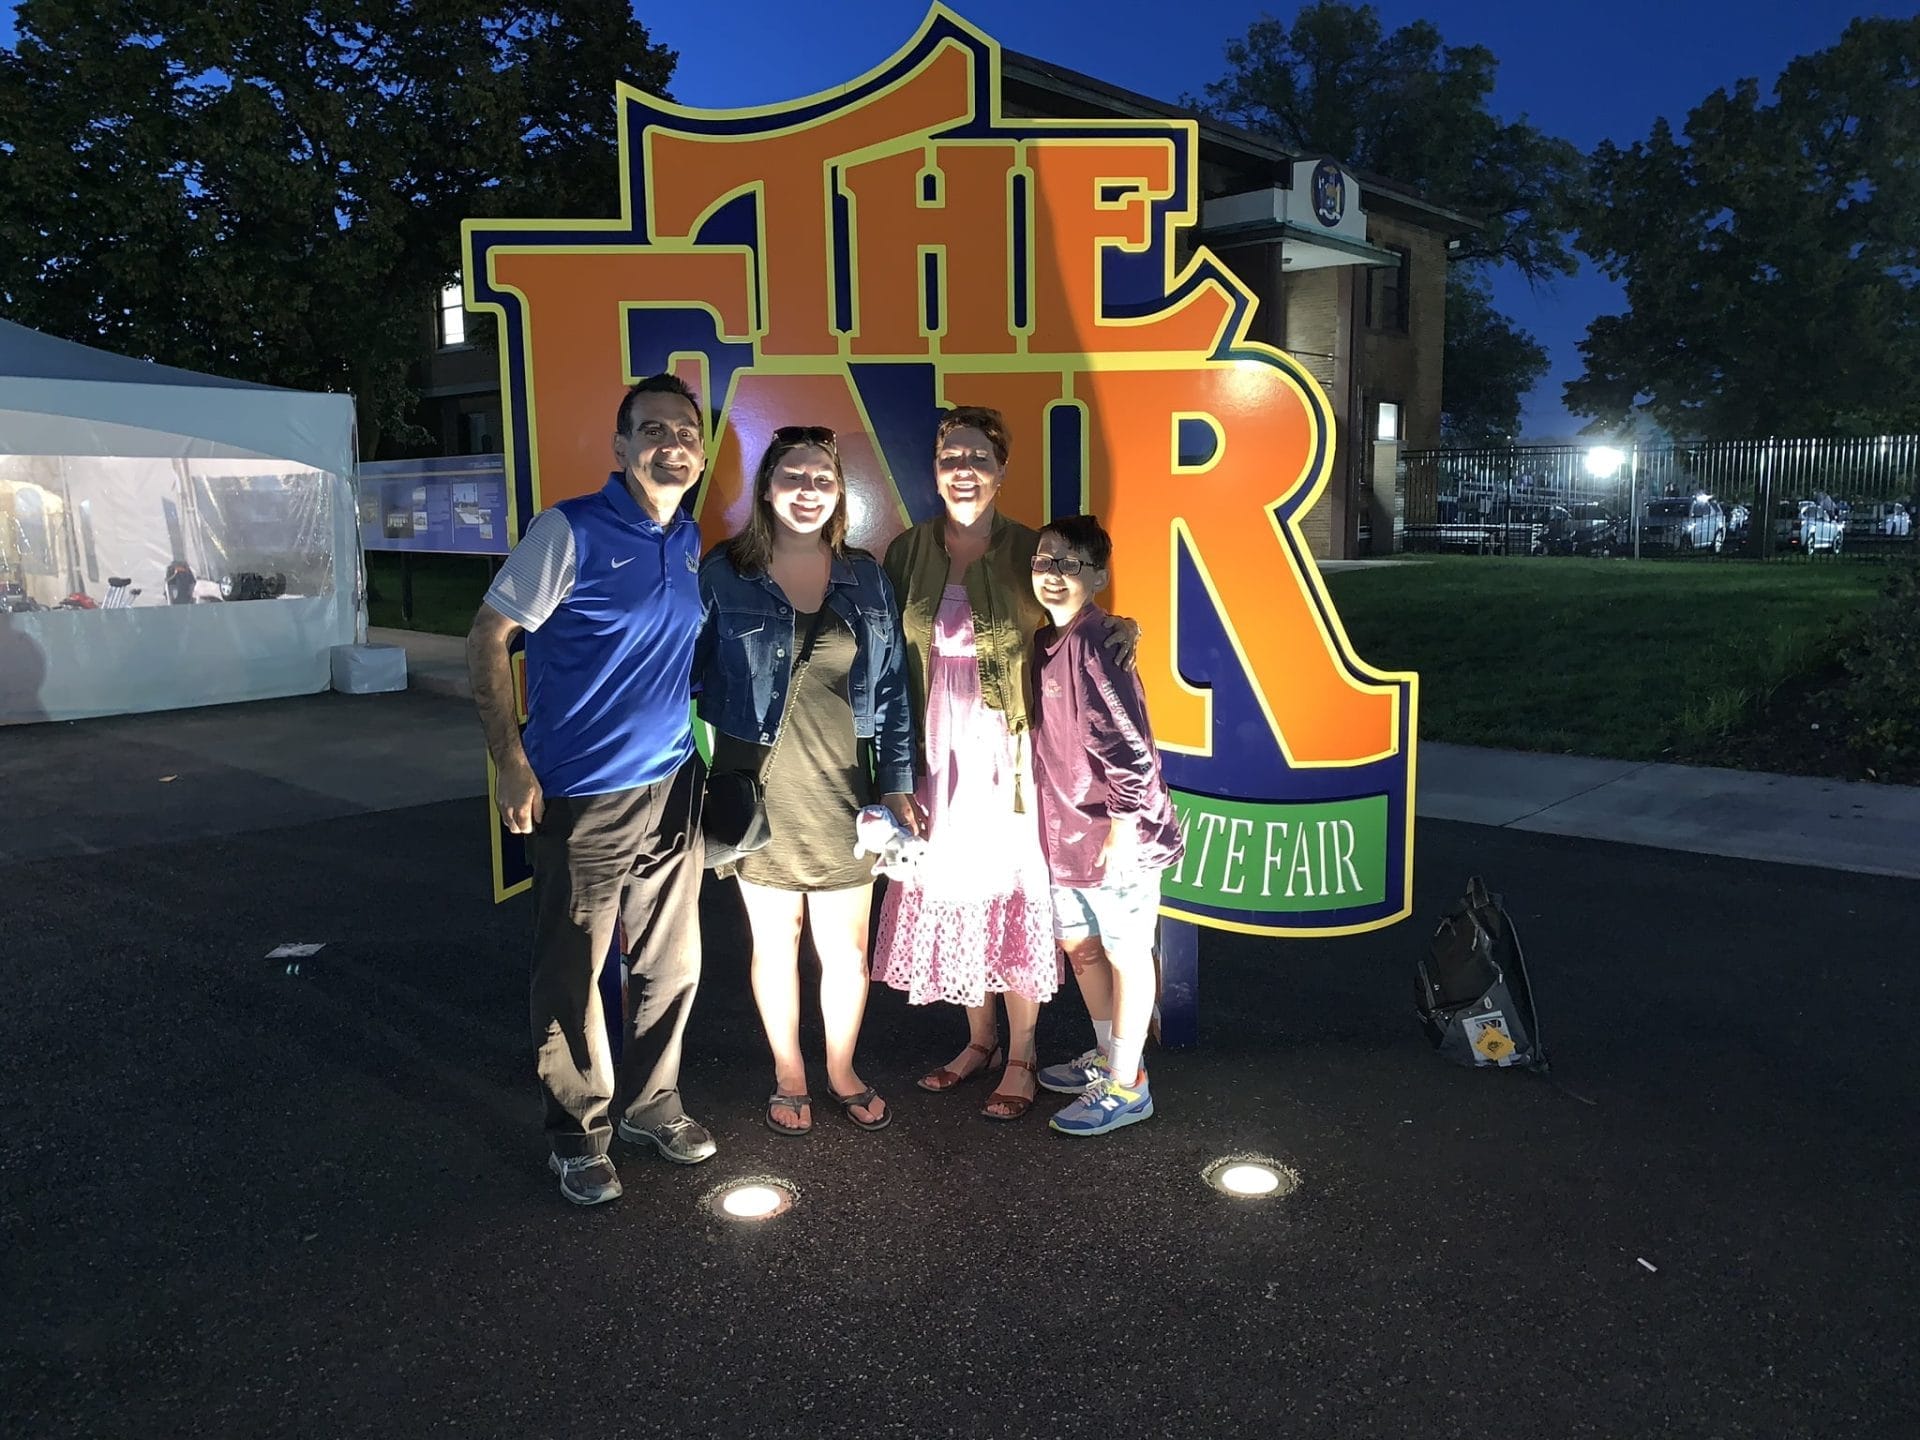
(733, 820)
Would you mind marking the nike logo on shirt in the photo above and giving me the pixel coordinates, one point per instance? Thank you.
(618, 563)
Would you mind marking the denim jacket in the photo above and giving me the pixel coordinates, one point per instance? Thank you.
(748, 642)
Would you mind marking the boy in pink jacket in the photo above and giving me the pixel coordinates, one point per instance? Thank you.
(1107, 823)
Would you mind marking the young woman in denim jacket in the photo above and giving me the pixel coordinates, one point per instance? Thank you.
(848, 729)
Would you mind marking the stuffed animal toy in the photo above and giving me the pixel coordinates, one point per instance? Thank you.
(879, 834)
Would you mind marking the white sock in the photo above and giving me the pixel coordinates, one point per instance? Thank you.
(1126, 1060)
(1103, 1036)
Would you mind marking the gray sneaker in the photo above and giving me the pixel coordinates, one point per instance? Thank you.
(586, 1179)
(1074, 1075)
(683, 1140)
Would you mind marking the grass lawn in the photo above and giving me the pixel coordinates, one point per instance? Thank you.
(1642, 660)
(1634, 659)
(446, 590)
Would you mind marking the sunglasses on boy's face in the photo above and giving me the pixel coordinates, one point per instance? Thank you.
(1067, 565)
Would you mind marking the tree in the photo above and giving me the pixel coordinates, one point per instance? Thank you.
(1409, 106)
(1490, 365)
(1768, 254)
(273, 192)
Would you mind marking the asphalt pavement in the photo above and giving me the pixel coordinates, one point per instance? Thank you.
(237, 1200)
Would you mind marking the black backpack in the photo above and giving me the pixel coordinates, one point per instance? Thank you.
(1471, 990)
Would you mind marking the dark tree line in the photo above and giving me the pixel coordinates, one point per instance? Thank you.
(271, 191)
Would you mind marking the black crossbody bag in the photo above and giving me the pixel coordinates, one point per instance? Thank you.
(734, 821)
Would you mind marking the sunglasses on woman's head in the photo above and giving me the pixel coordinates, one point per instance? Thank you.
(1067, 565)
(803, 435)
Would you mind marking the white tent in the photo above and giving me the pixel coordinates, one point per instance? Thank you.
(166, 538)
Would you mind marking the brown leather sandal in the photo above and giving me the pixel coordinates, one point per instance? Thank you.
(946, 1079)
(1013, 1107)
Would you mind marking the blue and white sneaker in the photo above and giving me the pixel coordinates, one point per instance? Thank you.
(1074, 1076)
(1105, 1105)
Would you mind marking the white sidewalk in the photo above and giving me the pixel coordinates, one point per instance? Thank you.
(1747, 815)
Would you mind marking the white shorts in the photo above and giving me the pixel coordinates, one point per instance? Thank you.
(1122, 915)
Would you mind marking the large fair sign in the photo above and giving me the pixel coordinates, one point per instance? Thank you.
(868, 256)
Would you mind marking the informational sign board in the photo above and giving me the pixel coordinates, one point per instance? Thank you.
(445, 505)
(868, 256)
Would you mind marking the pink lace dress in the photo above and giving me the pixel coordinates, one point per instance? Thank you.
(977, 917)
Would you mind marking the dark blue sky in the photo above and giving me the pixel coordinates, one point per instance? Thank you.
(1585, 70)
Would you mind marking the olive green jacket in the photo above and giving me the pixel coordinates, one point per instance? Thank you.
(1005, 614)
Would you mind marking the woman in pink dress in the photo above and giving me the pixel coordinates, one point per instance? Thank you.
(976, 918)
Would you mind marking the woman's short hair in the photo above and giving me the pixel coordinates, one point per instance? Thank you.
(990, 423)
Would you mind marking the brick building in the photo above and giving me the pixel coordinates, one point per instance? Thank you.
(1351, 276)
(1349, 270)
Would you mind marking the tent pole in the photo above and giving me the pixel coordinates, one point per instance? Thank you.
(74, 572)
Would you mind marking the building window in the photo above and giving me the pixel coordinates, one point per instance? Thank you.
(453, 317)
(1387, 294)
(477, 431)
(1388, 426)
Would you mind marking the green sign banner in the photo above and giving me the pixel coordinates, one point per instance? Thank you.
(1250, 855)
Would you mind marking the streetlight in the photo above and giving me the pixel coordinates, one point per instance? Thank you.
(1603, 463)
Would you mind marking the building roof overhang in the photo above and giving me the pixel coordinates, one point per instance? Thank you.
(1030, 72)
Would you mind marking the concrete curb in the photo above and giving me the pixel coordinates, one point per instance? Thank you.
(1736, 814)
(436, 664)
(453, 687)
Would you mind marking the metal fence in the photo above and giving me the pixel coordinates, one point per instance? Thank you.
(1764, 499)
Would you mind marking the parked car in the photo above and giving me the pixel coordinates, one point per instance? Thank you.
(1528, 527)
(1585, 528)
(1684, 525)
(1887, 518)
(1807, 526)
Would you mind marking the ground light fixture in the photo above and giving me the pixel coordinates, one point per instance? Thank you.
(750, 1201)
(1604, 462)
(1252, 1177)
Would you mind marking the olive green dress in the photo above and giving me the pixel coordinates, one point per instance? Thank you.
(821, 778)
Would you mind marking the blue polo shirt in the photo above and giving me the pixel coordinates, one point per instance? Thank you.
(610, 602)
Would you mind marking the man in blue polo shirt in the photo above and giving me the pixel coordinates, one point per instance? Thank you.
(606, 781)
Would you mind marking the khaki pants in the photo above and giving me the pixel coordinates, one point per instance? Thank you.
(635, 857)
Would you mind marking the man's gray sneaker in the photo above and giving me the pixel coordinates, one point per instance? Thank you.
(586, 1179)
(683, 1140)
